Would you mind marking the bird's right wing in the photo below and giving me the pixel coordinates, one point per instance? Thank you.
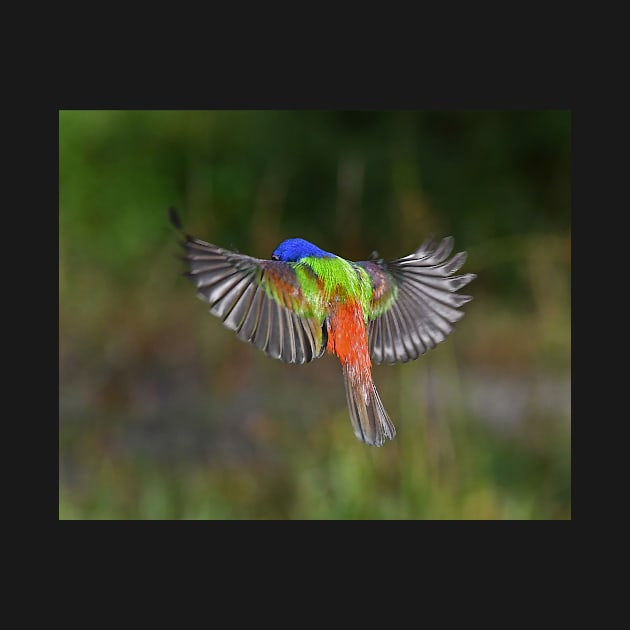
(414, 301)
(261, 300)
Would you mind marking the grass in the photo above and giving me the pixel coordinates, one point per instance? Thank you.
(183, 421)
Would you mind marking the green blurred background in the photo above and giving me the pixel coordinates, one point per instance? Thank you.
(165, 414)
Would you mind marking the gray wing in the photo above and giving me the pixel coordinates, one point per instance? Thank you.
(415, 301)
(255, 298)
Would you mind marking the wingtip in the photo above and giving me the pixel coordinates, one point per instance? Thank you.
(434, 249)
(174, 218)
(427, 245)
(177, 224)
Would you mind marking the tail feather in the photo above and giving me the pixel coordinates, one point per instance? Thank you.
(370, 421)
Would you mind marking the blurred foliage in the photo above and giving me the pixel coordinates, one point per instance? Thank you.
(165, 414)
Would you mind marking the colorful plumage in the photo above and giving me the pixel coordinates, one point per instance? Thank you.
(305, 301)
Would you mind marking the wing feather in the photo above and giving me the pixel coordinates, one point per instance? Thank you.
(256, 299)
(414, 300)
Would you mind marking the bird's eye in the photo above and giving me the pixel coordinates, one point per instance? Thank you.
(274, 257)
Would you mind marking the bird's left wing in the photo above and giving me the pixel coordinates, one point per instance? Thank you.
(261, 300)
(414, 301)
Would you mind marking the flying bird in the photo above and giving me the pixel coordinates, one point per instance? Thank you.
(305, 301)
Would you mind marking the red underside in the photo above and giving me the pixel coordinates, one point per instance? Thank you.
(347, 339)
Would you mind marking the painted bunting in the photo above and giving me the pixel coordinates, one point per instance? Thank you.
(305, 301)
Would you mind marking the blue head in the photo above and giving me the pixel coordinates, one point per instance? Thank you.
(293, 249)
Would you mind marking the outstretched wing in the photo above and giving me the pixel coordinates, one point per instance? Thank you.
(258, 299)
(414, 301)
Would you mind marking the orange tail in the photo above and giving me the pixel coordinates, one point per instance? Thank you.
(370, 421)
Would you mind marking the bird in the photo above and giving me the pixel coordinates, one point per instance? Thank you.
(305, 301)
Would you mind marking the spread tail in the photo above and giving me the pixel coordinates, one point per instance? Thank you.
(370, 421)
